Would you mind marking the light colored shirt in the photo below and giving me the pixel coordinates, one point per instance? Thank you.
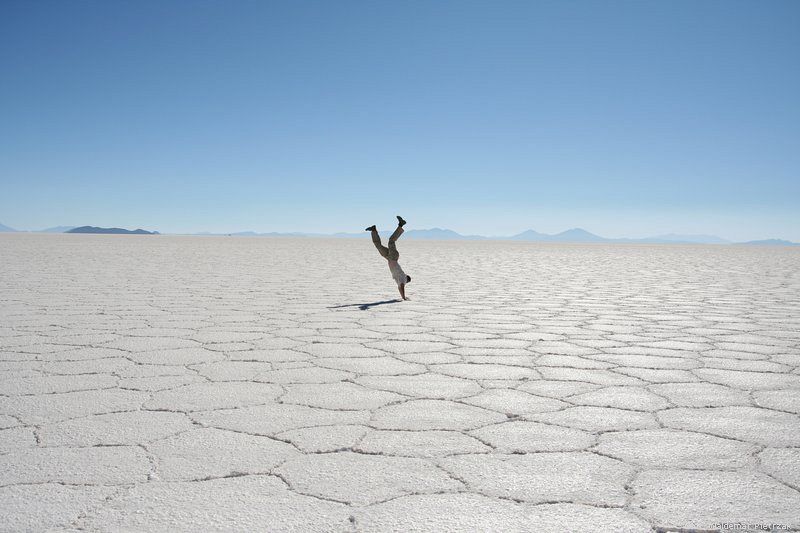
(397, 272)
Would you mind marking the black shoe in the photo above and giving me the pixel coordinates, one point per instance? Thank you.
(371, 228)
(400, 221)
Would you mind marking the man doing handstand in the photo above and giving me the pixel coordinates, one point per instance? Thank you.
(392, 255)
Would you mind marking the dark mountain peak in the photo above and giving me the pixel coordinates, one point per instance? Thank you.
(110, 231)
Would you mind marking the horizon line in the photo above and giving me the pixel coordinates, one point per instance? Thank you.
(449, 234)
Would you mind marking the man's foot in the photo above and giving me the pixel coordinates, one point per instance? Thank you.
(371, 228)
(400, 221)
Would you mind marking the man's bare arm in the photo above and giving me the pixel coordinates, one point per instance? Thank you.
(402, 289)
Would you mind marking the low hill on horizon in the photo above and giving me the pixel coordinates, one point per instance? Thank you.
(110, 231)
(570, 235)
(770, 242)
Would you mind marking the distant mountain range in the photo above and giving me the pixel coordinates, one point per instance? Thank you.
(574, 235)
(110, 231)
(81, 229)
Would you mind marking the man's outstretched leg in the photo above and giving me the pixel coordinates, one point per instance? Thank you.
(376, 240)
(393, 253)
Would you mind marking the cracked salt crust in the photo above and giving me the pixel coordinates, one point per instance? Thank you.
(184, 384)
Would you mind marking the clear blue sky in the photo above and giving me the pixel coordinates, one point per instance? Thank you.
(624, 117)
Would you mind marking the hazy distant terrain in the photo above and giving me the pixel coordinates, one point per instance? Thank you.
(575, 235)
(57, 229)
(171, 383)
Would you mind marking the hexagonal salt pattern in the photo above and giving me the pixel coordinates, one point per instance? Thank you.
(187, 383)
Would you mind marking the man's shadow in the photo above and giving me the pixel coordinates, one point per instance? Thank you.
(364, 307)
